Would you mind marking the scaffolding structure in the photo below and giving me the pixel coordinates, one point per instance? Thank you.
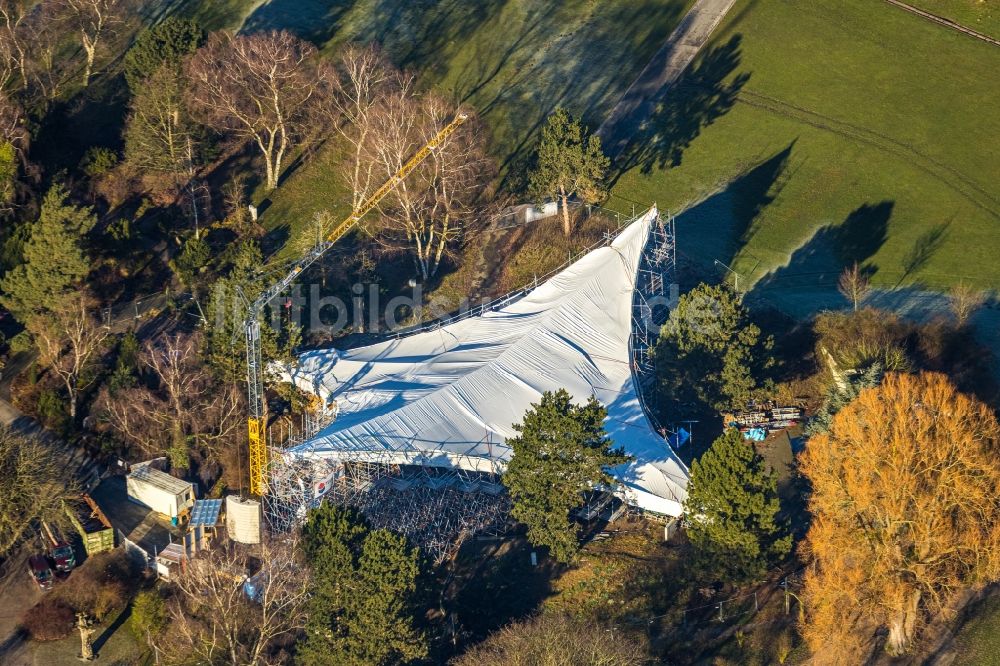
(439, 508)
(652, 299)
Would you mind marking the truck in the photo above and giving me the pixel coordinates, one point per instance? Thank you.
(41, 572)
(90, 522)
(60, 551)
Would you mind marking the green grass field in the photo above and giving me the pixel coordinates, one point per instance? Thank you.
(511, 60)
(978, 641)
(842, 132)
(979, 15)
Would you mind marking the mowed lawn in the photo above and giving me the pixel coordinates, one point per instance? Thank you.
(512, 61)
(979, 15)
(978, 640)
(831, 133)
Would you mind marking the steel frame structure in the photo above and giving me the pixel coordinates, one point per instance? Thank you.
(440, 508)
(256, 420)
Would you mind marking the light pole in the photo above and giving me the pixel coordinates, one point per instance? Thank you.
(736, 276)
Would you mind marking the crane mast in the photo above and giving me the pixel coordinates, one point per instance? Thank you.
(256, 426)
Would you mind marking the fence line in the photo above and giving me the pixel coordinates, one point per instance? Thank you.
(515, 294)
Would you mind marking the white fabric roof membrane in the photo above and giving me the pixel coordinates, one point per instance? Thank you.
(449, 397)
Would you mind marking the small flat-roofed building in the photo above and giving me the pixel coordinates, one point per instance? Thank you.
(161, 492)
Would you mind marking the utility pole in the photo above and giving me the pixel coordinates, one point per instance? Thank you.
(736, 276)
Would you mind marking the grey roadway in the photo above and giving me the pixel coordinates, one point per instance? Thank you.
(666, 66)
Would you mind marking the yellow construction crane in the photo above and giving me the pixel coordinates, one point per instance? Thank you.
(256, 426)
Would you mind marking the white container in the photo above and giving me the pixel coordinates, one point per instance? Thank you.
(159, 491)
(243, 519)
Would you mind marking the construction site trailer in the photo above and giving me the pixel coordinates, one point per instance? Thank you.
(160, 492)
(243, 518)
(94, 527)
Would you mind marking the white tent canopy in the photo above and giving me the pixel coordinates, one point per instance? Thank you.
(449, 397)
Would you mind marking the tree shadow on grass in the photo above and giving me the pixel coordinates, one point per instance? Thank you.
(716, 228)
(658, 132)
(817, 264)
(314, 20)
(419, 34)
(924, 247)
(110, 630)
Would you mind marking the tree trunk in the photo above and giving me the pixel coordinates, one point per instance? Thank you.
(278, 157)
(71, 392)
(902, 626)
(90, 49)
(272, 182)
(442, 242)
(567, 227)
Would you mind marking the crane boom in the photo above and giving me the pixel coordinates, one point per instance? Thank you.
(256, 428)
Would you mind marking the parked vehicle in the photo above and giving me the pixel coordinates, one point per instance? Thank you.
(60, 552)
(41, 572)
(63, 556)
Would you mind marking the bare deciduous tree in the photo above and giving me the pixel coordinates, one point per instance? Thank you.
(13, 45)
(428, 210)
(13, 129)
(262, 88)
(213, 619)
(69, 339)
(906, 512)
(159, 132)
(33, 484)
(14, 139)
(360, 81)
(460, 173)
(95, 22)
(965, 300)
(47, 73)
(185, 403)
(854, 285)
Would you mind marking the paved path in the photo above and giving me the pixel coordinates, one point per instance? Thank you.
(669, 62)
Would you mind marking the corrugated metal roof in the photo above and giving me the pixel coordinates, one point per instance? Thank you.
(158, 479)
(206, 512)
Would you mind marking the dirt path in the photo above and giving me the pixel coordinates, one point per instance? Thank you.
(667, 64)
(948, 23)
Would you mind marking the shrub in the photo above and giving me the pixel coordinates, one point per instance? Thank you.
(21, 343)
(858, 339)
(50, 619)
(99, 160)
(51, 409)
(149, 614)
(556, 639)
(101, 586)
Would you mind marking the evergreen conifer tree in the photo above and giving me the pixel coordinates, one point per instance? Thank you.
(709, 351)
(163, 44)
(732, 511)
(53, 257)
(569, 163)
(364, 585)
(561, 452)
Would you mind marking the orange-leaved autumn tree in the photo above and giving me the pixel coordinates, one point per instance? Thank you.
(906, 512)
